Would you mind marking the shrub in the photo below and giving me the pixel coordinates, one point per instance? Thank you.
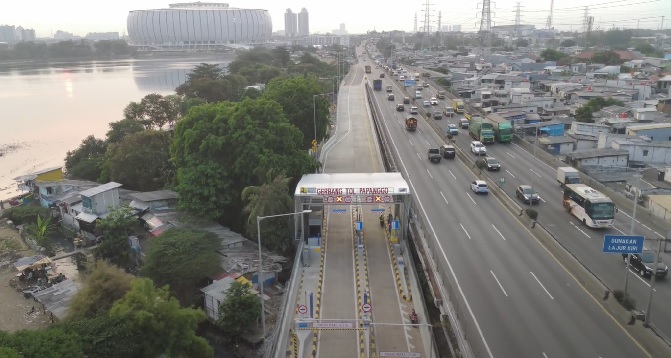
(25, 214)
(627, 301)
(533, 214)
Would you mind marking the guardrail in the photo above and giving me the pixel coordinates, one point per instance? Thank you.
(449, 302)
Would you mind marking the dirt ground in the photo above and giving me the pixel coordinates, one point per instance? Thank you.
(15, 310)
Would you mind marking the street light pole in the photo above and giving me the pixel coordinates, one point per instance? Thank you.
(652, 284)
(260, 277)
(631, 232)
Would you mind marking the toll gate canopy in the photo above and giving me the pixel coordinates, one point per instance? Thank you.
(352, 188)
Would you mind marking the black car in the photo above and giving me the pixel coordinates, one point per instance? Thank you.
(644, 264)
(526, 193)
(406, 100)
(492, 164)
(381, 75)
(390, 96)
(400, 107)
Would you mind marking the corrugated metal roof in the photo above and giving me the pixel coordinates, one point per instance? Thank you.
(155, 195)
(100, 189)
(56, 299)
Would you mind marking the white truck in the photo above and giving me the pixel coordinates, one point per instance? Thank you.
(568, 175)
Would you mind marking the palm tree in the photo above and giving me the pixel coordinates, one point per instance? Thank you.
(41, 232)
(271, 198)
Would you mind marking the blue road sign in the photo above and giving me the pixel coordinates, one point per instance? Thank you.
(395, 225)
(339, 211)
(359, 225)
(376, 210)
(623, 244)
(302, 325)
(409, 83)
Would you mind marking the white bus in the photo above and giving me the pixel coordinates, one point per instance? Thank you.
(590, 206)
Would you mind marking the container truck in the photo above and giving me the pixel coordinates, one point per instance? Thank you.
(458, 106)
(503, 130)
(367, 68)
(481, 130)
(568, 175)
(377, 85)
(411, 124)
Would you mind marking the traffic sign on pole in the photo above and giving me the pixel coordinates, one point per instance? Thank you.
(359, 225)
(395, 225)
(623, 244)
(302, 309)
(366, 307)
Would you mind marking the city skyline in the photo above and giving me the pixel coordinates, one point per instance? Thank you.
(568, 15)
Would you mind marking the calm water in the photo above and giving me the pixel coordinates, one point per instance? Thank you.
(46, 110)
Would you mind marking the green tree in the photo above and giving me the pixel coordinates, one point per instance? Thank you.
(182, 259)
(271, 198)
(230, 88)
(166, 327)
(646, 49)
(154, 111)
(45, 343)
(282, 56)
(617, 38)
(41, 231)
(522, 43)
(25, 214)
(251, 57)
(120, 129)
(608, 57)
(251, 93)
(206, 70)
(86, 161)
(295, 95)
(141, 161)
(114, 246)
(105, 337)
(259, 73)
(240, 310)
(568, 43)
(551, 55)
(584, 113)
(226, 147)
(102, 287)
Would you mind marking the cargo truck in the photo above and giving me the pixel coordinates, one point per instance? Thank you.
(377, 85)
(411, 124)
(503, 130)
(458, 106)
(568, 175)
(440, 94)
(367, 69)
(481, 130)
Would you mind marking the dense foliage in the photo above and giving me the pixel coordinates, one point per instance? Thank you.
(114, 230)
(584, 113)
(240, 310)
(25, 214)
(102, 287)
(66, 49)
(182, 259)
(87, 160)
(48, 343)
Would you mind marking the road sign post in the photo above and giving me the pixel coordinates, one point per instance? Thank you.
(302, 310)
(366, 307)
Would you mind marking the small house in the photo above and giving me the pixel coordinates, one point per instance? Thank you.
(215, 294)
(645, 152)
(657, 132)
(97, 202)
(154, 200)
(598, 157)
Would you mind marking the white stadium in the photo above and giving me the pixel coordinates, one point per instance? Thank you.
(198, 25)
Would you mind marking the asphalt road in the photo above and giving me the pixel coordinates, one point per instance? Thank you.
(519, 166)
(520, 301)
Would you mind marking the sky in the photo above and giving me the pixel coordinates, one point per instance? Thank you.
(83, 16)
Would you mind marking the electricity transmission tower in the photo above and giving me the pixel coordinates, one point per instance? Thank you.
(486, 26)
(415, 27)
(548, 24)
(427, 17)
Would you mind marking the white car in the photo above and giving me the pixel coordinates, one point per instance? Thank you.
(413, 110)
(434, 101)
(479, 186)
(478, 148)
(427, 104)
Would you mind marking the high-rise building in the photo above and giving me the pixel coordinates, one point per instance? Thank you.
(290, 23)
(303, 23)
(343, 31)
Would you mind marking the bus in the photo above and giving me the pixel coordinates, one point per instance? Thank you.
(591, 207)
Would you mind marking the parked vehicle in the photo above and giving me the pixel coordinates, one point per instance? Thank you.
(527, 194)
(568, 175)
(411, 124)
(377, 85)
(644, 264)
(503, 130)
(448, 151)
(434, 155)
(479, 186)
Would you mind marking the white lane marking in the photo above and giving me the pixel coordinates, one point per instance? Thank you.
(535, 173)
(510, 155)
(640, 278)
(618, 230)
(452, 174)
(427, 142)
(410, 142)
(469, 196)
(442, 249)
(497, 230)
(420, 131)
(511, 174)
(539, 282)
(418, 156)
(427, 170)
(646, 226)
(443, 195)
(540, 161)
(546, 356)
(579, 229)
(656, 233)
(543, 200)
(462, 228)
(500, 285)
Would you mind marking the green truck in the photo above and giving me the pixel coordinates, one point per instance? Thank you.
(503, 130)
(481, 130)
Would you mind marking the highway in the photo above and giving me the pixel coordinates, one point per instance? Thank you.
(519, 166)
(346, 271)
(520, 301)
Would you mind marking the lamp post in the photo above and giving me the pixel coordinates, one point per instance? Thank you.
(258, 234)
(314, 109)
(631, 232)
